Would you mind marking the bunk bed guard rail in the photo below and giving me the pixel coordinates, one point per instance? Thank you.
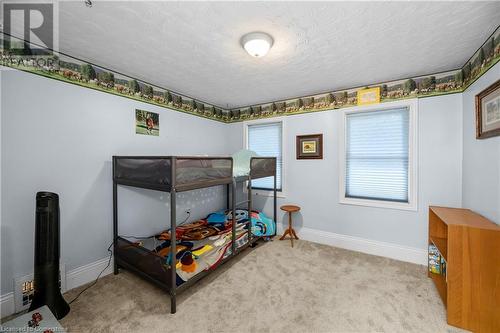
(155, 172)
(261, 167)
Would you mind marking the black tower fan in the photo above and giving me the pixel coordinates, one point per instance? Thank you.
(47, 289)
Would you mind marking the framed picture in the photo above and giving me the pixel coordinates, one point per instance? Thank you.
(310, 146)
(488, 112)
(147, 123)
(369, 96)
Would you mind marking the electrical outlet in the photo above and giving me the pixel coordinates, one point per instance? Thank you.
(24, 288)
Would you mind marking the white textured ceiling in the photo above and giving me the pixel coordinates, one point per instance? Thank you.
(193, 47)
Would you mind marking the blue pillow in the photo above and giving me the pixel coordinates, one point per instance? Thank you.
(216, 218)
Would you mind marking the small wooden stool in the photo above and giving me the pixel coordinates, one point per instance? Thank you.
(290, 209)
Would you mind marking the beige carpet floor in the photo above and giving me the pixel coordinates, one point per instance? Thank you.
(273, 288)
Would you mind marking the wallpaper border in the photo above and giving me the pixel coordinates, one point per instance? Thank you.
(65, 68)
(443, 83)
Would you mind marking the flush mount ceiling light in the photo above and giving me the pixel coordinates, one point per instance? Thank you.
(257, 44)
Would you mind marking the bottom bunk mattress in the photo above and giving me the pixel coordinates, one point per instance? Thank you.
(201, 245)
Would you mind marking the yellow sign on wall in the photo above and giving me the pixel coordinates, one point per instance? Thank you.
(369, 96)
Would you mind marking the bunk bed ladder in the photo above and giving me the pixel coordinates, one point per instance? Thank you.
(173, 234)
(275, 202)
(233, 212)
(250, 211)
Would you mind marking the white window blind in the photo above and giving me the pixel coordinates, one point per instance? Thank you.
(266, 140)
(377, 155)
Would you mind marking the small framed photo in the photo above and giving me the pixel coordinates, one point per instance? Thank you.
(488, 112)
(310, 146)
(147, 123)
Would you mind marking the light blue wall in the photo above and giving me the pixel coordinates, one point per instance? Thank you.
(72, 157)
(481, 162)
(313, 184)
(60, 137)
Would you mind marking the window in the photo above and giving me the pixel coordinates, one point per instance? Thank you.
(266, 140)
(378, 162)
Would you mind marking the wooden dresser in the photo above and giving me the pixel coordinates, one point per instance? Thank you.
(470, 246)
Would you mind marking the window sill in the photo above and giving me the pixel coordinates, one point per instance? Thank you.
(379, 204)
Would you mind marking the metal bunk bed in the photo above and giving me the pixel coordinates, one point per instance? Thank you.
(176, 174)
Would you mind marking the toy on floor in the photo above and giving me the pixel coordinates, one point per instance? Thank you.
(36, 318)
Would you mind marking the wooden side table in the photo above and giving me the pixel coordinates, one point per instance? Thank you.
(290, 209)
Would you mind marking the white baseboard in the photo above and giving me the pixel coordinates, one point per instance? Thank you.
(74, 278)
(7, 304)
(87, 273)
(383, 249)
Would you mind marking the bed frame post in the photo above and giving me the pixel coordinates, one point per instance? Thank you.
(250, 209)
(233, 208)
(115, 217)
(227, 196)
(275, 199)
(173, 245)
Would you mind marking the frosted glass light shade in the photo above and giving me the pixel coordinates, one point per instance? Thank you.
(257, 44)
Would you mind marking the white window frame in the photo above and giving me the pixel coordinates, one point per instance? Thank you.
(412, 105)
(269, 193)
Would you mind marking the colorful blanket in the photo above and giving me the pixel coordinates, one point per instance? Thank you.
(261, 224)
(203, 244)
